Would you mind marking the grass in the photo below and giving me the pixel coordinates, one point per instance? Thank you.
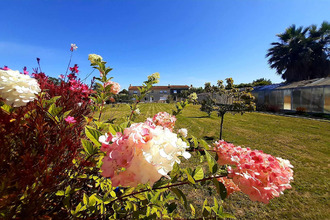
(305, 142)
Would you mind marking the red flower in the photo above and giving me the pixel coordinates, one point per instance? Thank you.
(74, 69)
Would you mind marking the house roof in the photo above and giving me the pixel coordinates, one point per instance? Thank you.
(308, 83)
(300, 84)
(161, 87)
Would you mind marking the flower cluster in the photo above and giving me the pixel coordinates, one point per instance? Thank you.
(94, 57)
(141, 154)
(17, 89)
(73, 47)
(164, 119)
(74, 69)
(154, 78)
(183, 132)
(115, 87)
(257, 174)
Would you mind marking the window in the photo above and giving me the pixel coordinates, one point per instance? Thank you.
(152, 91)
(175, 91)
(161, 92)
(165, 91)
(135, 92)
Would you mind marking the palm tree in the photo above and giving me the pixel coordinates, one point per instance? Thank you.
(302, 53)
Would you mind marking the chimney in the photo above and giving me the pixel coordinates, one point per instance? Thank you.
(169, 85)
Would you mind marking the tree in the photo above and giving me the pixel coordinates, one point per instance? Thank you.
(193, 98)
(302, 53)
(230, 99)
(261, 82)
(124, 91)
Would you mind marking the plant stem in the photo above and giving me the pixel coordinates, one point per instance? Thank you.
(221, 125)
(68, 65)
(88, 75)
(168, 186)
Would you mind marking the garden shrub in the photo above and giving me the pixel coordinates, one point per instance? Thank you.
(38, 145)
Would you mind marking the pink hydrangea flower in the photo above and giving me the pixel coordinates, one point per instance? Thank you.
(259, 175)
(70, 120)
(231, 187)
(115, 87)
(164, 119)
(145, 150)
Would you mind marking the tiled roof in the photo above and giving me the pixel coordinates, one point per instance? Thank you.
(161, 87)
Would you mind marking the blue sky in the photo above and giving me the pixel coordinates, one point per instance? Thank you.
(187, 42)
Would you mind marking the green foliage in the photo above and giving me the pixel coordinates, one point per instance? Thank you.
(301, 53)
(261, 82)
(192, 98)
(208, 105)
(230, 99)
(179, 107)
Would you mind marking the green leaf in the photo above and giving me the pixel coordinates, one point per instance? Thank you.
(179, 194)
(93, 135)
(67, 190)
(199, 173)
(85, 199)
(190, 179)
(102, 208)
(193, 211)
(155, 197)
(221, 189)
(160, 183)
(227, 215)
(88, 147)
(53, 110)
(112, 194)
(204, 144)
(53, 99)
(205, 208)
(112, 130)
(7, 108)
(195, 141)
(213, 166)
(60, 193)
(124, 125)
(66, 113)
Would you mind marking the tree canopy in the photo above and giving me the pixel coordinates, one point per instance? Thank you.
(301, 53)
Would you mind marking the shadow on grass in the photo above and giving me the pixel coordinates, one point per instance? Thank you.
(199, 117)
(209, 138)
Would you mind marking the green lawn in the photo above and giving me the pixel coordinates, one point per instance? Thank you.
(305, 142)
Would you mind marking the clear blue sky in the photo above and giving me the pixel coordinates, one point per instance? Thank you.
(187, 42)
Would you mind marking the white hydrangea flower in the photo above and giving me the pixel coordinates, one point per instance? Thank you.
(94, 57)
(154, 78)
(17, 89)
(163, 149)
(137, 111)
(183, 132)
(73, 47)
